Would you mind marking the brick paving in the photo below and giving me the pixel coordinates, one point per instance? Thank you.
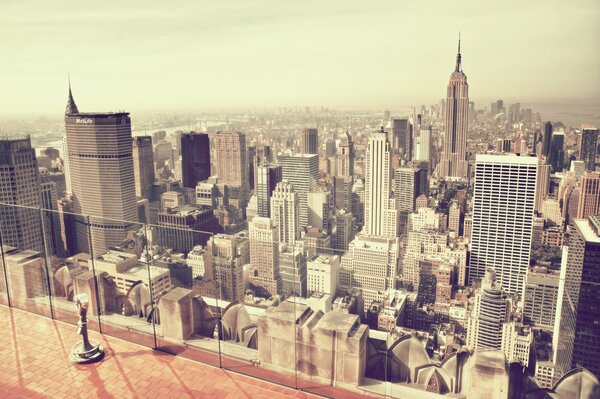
(34, 364)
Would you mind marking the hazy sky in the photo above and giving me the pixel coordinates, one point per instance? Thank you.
(195, 55)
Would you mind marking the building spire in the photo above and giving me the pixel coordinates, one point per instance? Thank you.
(458, 67)
(71, 106)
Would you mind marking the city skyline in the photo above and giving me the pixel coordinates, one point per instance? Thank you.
(183, 57)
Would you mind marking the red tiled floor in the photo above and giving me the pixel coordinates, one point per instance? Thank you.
(34, 364)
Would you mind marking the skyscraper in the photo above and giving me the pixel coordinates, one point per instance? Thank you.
(381, 214)
(547, 139)
(423, 147)
(557, 151)
(195, 158)
(581, 285)
(402, 137)
(588, 146)
(223, 264)
(143, 166)
(284, 212)
(265, 277)
(232, 165)
(310, 141)
(267, 177)
(20, 186)
(102, 179)
(345, 157)
(302, 170)
(503, 211)
(454, 162)
(409, 183)
(589, 195)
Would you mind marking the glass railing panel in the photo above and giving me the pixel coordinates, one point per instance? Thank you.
(66, 270)
(189, 313)
(120, 277)
(258, 323)
(25, 258)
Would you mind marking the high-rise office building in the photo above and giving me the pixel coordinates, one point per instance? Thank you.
(588, 146)
(381, 214)
(540, 296)
(503, 212)
(423, 146)
(490, 311)
(143, 166)
(302, 170)
(343, 230)
(342, 191)
(224, 258)
(310, 141)
(284, 212)
(49, 198)
(453, 162)
(557, 151)
(267, 178)
(102, 178)
(578, 324)
(589, 195)
(195, 158)
(371, 263)
(265, 277)
(409, 184)
(402, 137)
(547, 139)
(317, 203)
(232, 164)
(345, 157)
(292, 267)
(20, 186)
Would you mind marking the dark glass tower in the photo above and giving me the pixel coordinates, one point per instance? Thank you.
(588, 147)
(557, 152)
(267, 177)
(195, 158)
(547, 139)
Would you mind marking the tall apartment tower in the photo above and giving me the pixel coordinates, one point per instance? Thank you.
(302, 170)
(345, 157)
(547, 139)
(381, 214)
(577, 329)
(20, 186)
(588, 146)
(490, 311)
(503, 212)
(223, 263)
(284, 212)
(143, 166)
(402, 137)
(195, 158)
(231, 162)
(264, 277)
(589, 195)
(102, 178)
(267, 178)
(453, 162)
(310, 141)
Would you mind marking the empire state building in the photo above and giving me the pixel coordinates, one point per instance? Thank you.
(453, 163)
